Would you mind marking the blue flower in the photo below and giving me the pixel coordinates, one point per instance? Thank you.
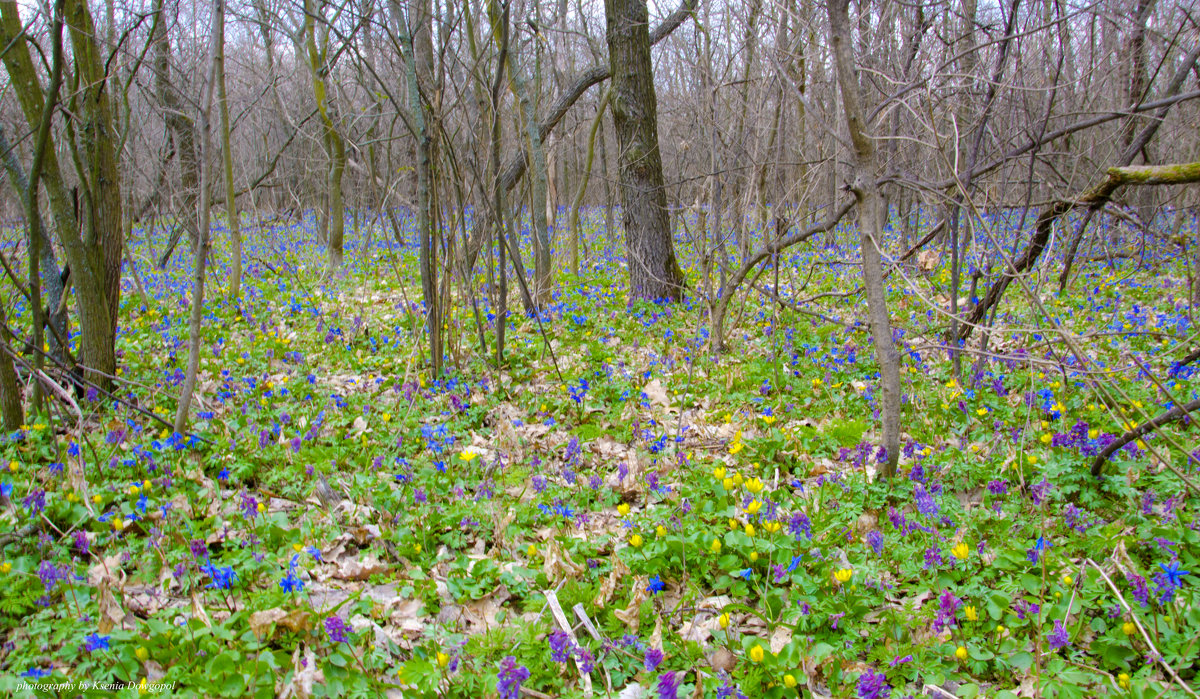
(35, 673)
(95, 642)
(744, 574)
(1173, 574)
(656, 585)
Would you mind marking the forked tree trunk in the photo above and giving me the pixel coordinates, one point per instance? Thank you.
(96, 264)
(866, 191)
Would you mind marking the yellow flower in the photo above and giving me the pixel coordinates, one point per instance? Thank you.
(728, 483)
(753, 507)
(1046, 438)
(635, 540)
(5, 567)
(442, 659)
(623, 509)
(1129, 628)
(715, 546)
(981, 412)
(297, 547)
(660, 530)
(961, 551)
(754, 485)
(142, 689)
(142, 654)
(13, 466)
(735, 447)
(719, 473)
(738, 480)
(1067, 580)
(1123, 680)
(1031, 459)
(467, 454)
(97, 499)
(749, 529)
(757, 654)
(843, 576)
(262, 507)
(961, 653)
(789, 681)
(531, 551)
(971, 614)
(118, 524)
(723, 620)
(386, 417)
(754, 556)
(772, 527)
(769, 419)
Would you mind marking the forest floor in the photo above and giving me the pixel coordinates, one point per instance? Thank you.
(626, 515)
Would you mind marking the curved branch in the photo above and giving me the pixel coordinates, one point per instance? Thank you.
(515, 169)
(1173, 415)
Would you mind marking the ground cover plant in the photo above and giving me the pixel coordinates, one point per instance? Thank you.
(619, 506)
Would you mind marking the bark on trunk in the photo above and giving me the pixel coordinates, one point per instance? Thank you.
(866, 191)
(653, 271)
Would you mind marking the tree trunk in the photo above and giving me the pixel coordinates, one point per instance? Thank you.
(97, 267)
(181, 129)
(866, 191)
(231, 210)
(653, 272)
(203, 214)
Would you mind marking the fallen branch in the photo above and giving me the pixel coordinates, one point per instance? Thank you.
(1173, 415)
(1097, 196)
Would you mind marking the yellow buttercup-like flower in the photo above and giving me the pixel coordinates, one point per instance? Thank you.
(723, 620)
(971, 614)
(961, 551)
(843, 575)
(635, 540)
(442, 659)
(757, 654)
(715, 546)
(623, 509)
(754, 485)
(961, 653)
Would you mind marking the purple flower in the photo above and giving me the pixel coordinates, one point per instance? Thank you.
(875, 541)
(584, 659)
(800, 524)
(249, 506)
(728, 690)
(560, 646)
(1024, 609)
(1140, 592)
(654, 658)
(81, 542)
(948, 605)
(873, 685)
(1040, 490)
(35, 501)
(337, 629)
(668, 685)
(510, 677)
(1059, 638)
(925, 502)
